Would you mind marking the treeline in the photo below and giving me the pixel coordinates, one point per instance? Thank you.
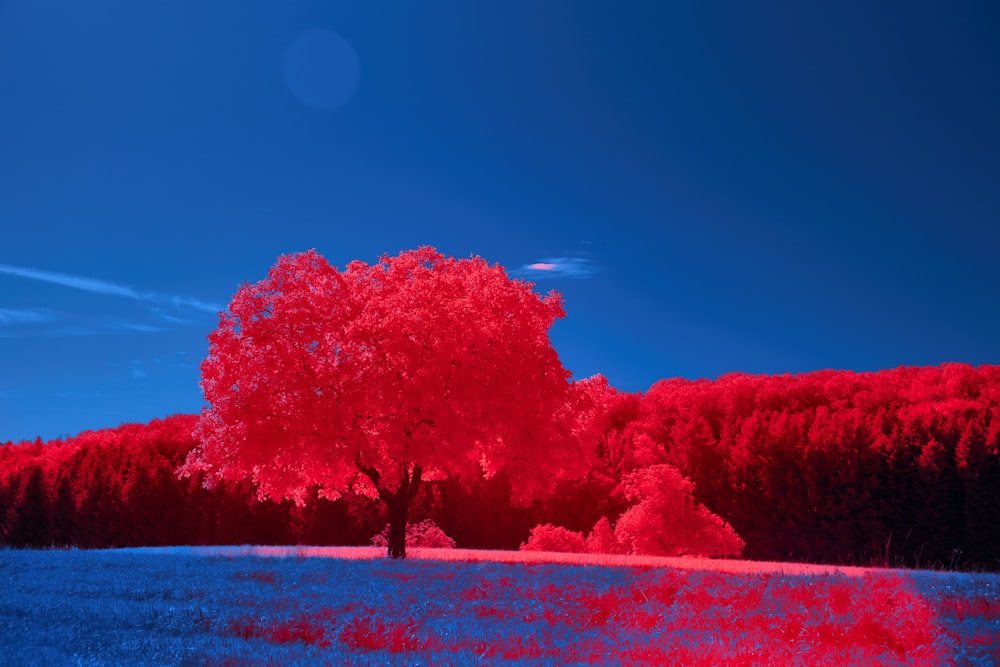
(897, 467)
(118, 487)
(900, 466)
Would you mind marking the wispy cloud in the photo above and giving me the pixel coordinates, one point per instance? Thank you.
(168, 317)
(10, 316)
(197, 304)
(76, 282)
(138, 326)
(98, 286)
(136, 369)
(557, 267)
(163, 312)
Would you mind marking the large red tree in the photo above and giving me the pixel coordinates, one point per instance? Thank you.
(377, 377)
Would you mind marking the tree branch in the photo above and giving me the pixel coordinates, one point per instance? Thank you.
(415, 481)
(368, 471)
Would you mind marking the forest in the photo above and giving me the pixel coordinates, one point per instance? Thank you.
(895, 467)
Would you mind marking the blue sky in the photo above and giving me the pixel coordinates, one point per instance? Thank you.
(760, 187)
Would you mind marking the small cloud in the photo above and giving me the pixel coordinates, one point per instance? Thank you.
(136, 369)
(557, 267)
(14, 316)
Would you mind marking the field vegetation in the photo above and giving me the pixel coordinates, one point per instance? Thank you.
(321, 606)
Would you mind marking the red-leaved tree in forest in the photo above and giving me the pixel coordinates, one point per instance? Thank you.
(375, 378)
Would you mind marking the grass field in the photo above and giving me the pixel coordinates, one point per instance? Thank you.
(322, 606)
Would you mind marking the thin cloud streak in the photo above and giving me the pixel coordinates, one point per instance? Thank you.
(76, 282)
(167, 317)
(82, 329)
(138, 326)
(13, 316)
(197, 304)
(97, 286)
(557, 267)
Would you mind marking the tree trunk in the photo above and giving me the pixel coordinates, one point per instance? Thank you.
(398, 504)
(398, 509)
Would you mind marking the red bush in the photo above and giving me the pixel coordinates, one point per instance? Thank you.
(425, 534)
(666, 521)
(546, 537)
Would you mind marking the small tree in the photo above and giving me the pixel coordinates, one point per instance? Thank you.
(602, 540)
(666, 520)
(375, 378)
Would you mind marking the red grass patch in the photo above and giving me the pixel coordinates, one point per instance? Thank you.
(961, 608)
(260, 576)
(376, 634)
(308, 629)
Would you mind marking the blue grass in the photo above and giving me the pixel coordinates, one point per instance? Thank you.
(178, 606)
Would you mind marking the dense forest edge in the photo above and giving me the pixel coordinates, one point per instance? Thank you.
(898, 467)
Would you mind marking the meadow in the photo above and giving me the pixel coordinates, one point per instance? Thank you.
(255, 606)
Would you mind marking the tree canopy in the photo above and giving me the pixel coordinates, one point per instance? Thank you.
(377, 377)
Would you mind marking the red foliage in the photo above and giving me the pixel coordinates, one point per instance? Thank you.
(377, 377)
(602, 540)
(424, 534)
(300, 629)
(307, 629)
(377, 634)
(666, 521)
(546, 537)
(899, 466)
(962, 608)
(118, 487)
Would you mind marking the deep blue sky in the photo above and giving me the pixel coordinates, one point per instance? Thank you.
(723, 186)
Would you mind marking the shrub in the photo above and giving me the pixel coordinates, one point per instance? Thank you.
(546, 537)
(425, 534)
(602, 539)
(666, 520)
